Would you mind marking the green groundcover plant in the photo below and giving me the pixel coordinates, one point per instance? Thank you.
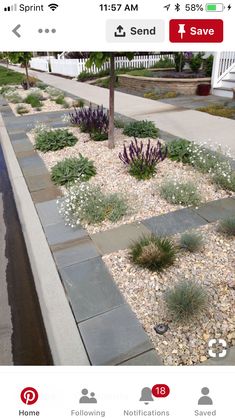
(141, 129)
(66, 172)
(53, 140)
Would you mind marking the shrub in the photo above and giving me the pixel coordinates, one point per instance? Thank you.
(227, 226)
(87, 204)
(179, 61)
(141, 129)
(32, 82)
(142, 162)
(91, 120)
(195, 62)
(191, 242)
(86, 75)
(48, 140)
(186, 300)
(34, 99)
(89, 75)
(178, 150)
(65, 172)
(153, 252)
(208, 65)
(21, 109)
(13, 97)
(163, 63)
(177, 193)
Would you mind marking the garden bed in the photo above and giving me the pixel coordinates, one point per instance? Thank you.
(213, 267)
(17, 97)
(143, 197)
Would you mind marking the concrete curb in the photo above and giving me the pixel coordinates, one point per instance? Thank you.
(56, 312)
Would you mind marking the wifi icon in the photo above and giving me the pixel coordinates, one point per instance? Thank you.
(53, 6)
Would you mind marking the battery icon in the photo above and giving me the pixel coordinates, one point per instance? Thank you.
(215, 7)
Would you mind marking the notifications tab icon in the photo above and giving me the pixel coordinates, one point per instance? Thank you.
(196, 30)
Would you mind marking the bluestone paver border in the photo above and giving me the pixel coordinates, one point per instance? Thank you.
(56, 312)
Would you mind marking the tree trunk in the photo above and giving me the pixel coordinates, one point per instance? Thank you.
(27, 76)
(111, 143)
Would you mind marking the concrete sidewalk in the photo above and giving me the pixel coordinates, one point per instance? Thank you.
(183, 123)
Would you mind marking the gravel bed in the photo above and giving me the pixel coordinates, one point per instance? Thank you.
(213, 267)
(48, 104)
(143, 196)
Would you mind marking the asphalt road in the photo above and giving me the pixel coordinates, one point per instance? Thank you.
(22, 335)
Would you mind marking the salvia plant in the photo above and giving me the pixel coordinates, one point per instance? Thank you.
(142, 161)
(91, 120)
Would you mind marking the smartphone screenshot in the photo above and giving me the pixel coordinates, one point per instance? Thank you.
(117, 208)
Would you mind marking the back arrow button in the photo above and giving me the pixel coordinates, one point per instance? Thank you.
(15, 31)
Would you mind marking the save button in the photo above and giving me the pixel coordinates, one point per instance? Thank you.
(196, 30)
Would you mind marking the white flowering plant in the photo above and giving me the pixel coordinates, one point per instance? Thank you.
(86, 204)
(180, 193)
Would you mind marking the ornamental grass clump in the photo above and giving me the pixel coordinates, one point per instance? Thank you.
(186, 300)
(94, 121)
(87, 204)
(142, 161)
(177, 193)
(153, 253)
(141, 129)
(66, 172)
(53, 140)
(227, 226)
(191, 242)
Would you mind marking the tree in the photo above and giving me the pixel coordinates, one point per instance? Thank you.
(98, 59)
(22, 58)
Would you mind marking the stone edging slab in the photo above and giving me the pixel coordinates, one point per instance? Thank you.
(57, 315)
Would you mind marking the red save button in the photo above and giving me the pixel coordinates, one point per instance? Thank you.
(196, 30)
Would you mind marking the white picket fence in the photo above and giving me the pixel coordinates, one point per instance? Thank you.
(73, 67)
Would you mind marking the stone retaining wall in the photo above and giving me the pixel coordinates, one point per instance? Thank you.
(161, 85)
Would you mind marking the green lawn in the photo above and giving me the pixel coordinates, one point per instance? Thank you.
(10, 77)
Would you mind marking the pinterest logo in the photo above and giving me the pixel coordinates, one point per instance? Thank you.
(29, 396)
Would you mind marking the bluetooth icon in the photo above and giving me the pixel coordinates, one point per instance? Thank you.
(177, 7)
